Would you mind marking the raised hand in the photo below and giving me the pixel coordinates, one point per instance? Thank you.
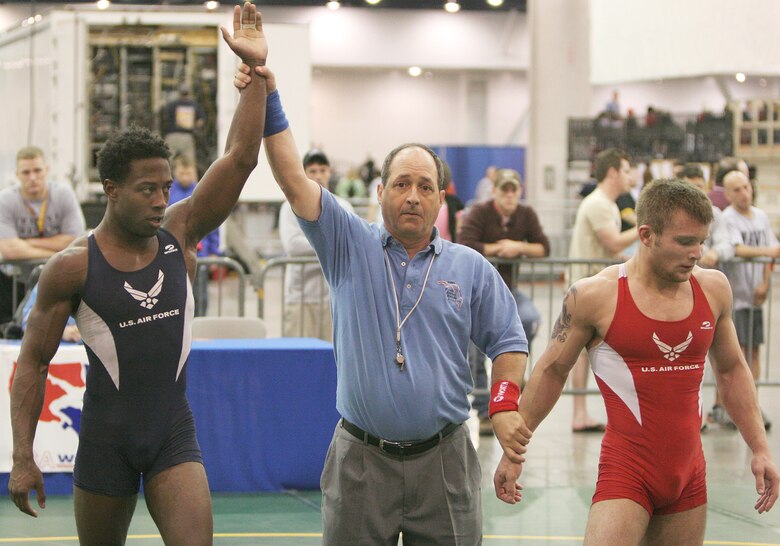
(248, 40)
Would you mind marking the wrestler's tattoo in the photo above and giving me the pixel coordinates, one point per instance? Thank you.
(563, 323)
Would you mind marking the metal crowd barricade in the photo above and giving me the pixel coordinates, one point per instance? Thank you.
(27, 273)
(545, 281)
(284, 266)
(222, 281)
(22, 274)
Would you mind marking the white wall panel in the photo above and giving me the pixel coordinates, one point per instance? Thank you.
(633, 40)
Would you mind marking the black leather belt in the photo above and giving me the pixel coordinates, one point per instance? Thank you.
(399, 449)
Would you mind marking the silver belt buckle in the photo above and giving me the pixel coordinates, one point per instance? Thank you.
(399, 445)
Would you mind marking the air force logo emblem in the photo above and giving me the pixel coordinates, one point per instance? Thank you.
(672, 353)
(147, 299)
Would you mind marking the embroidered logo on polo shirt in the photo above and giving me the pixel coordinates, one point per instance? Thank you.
(452, 291)
(672, 353)
(147, 299)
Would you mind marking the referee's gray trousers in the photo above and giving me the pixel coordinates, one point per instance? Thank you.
(369, 497)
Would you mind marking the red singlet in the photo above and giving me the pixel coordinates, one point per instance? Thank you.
(650, 374)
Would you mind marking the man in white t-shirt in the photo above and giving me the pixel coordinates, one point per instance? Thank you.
(597, 235)
(306, 303)
(752, 234)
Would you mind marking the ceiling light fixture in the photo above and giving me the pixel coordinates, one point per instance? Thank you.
(415, 71)
(373, 2)
(452, 6)
(103, 4)
(333, 5)
(740, 77)
(211, 5)
(495, 3)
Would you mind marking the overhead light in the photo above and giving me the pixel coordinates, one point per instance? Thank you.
(333, 5)
(740, 77)
(452, 6)
(373, 2)
(211, 5)
(103, 4)
(495, 3)
(38, 17)
(415, 71)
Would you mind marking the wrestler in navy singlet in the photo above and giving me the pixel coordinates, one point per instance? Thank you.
(136, 328)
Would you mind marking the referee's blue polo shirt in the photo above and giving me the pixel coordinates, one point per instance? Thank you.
(464, 299)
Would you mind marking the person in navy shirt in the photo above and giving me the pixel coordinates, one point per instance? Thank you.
(405, 305)
(185, 176)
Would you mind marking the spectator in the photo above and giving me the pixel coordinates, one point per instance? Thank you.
(718, 248)
(70, 333)
(185, 176)
(597, 235)
(447, 220)
(306, 306)
(37, 219)
(503, 228)
(351, 186)
(484, 190)
(612, 109)
(718, 194)
(753, 237)
(183, 117)
(626, 205)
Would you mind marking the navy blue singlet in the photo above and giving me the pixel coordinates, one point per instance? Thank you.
(136, 328)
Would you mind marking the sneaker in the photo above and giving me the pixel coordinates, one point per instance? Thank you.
(720, 416)
(485, 426)
(767, 422)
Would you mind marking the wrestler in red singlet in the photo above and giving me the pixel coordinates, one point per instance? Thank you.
(650, 374)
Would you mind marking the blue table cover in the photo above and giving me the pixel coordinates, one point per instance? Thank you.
(265, 410)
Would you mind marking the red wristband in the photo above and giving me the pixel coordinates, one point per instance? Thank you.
(503, 397)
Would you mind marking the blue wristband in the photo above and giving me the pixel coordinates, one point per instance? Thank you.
(275, 120)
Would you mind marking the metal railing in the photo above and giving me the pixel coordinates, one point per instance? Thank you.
(544, 281)
(20, 275)
(241, 285)
(302, 266)
(24, 274)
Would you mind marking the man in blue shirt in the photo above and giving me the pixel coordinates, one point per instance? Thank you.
(185, 175)
(405, 305)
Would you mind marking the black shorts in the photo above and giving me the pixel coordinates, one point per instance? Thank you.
(742, 324)
(115, 468)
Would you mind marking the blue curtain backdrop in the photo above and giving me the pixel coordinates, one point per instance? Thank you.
(468, 164)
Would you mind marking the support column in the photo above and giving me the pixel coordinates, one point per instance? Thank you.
(560, 89)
